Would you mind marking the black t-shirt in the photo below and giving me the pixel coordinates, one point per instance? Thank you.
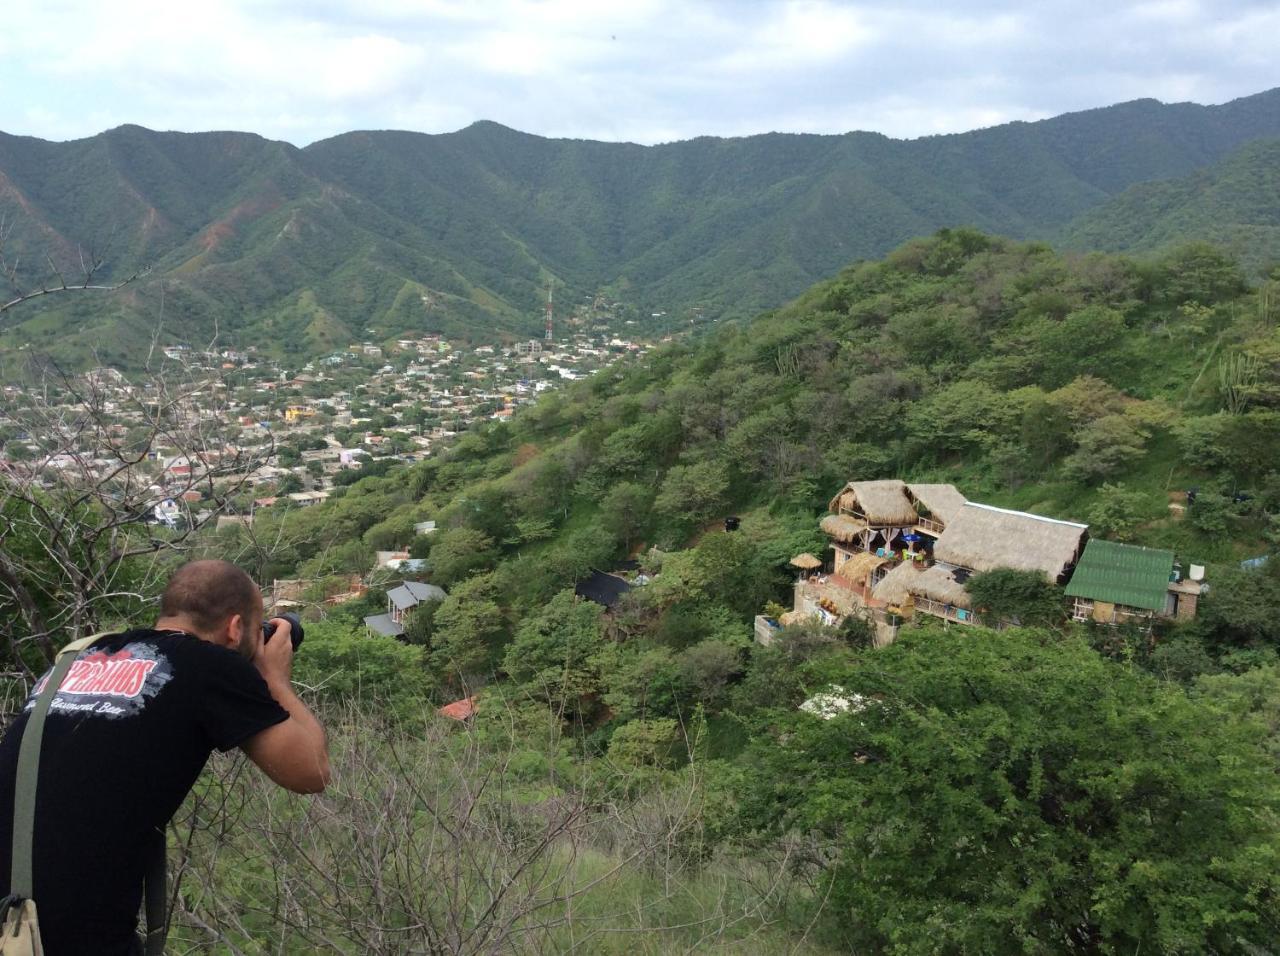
(127, 734)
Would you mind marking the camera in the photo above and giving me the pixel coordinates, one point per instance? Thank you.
(295, 629)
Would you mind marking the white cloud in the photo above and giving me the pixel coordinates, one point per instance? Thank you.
(644, 70)
(804, 34)
(1166, 11)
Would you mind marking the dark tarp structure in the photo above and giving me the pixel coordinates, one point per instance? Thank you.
(604, 589)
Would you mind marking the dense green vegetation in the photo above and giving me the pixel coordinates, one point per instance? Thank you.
(991, 792)
(299, 251)
(1084, 387)
(646, 780)
(1014, 792)
(1231, 204)
(1061, 788)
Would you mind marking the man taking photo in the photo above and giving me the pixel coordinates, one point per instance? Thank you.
(128, 733)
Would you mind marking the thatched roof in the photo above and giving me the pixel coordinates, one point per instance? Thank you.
(883, 502)
(934, 582)
(806, 562)
(893, 588)
(938, 584)
(943, 501)
(856, 569)
(842, 527)
(985, 538)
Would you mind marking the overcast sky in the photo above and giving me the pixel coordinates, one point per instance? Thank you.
(643, 70)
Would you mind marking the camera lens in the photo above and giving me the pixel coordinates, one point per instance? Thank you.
(295, 629)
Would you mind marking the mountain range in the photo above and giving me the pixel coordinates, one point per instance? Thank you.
(369, 235)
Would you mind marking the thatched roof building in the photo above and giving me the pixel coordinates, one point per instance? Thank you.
(842, 527)
(984, 538)
(884, 503)
(943, 502)
(858, 567)
(936, 583)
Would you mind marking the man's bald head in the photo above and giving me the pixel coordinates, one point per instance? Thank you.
(209, 593)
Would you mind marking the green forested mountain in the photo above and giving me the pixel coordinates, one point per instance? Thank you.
(299, 250)
(1235, 204)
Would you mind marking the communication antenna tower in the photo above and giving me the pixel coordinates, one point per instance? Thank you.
(548, 335)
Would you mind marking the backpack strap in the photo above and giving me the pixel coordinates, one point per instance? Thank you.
(28, 770)
(155, 900)
(24, 808)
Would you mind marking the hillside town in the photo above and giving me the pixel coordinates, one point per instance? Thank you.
(286, 436)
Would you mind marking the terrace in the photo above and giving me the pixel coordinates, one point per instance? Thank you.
(828, 597)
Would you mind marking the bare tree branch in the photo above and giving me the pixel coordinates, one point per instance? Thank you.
(81, 540)
(91, 264)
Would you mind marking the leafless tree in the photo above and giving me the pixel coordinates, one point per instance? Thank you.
(435, 839)
(89, 460)
(90, 263)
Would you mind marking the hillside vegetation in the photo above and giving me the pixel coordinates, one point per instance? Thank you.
(1083, 387)
(1058, 789)
(297, 250)
(1231, 204)
(647, 780)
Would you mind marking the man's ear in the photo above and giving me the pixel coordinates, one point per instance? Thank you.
(234, 632)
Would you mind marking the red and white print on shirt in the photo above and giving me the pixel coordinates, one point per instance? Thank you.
(109, 684)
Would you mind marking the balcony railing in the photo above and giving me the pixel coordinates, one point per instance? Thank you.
(948, 612)
(1083, 609)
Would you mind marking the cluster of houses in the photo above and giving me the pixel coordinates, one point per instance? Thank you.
(339, 411)
(451, 384)
(903, 549)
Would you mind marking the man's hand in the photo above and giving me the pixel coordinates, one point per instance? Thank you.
(275, 657)
(295, 753)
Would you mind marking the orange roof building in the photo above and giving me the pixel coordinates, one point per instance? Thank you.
(460, 710)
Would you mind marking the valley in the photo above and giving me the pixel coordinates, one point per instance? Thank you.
(792, 544)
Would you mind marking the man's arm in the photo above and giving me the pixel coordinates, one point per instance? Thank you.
(293, 753)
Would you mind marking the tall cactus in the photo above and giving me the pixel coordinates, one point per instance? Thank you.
(1268, 300)
(1237, 376)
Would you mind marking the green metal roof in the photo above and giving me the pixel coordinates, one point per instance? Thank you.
(1122, 574)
